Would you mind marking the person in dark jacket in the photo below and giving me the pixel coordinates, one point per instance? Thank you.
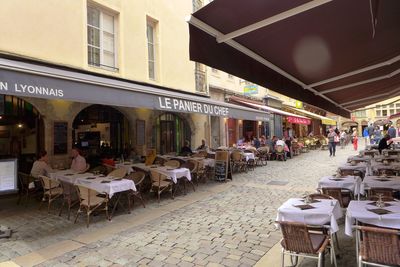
(392, 131)
(186, 150)
(384, 144)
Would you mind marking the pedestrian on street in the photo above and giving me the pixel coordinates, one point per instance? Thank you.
(370, 132)
(332, 142)
(392, 132)
(366, 136)
(355, 139)
(343, 138)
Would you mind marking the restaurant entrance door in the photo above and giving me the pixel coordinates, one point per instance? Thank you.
(172, 132)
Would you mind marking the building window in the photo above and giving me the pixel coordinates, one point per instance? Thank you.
(151, 48)
(101, 38)
(384, 112)
(378, 113)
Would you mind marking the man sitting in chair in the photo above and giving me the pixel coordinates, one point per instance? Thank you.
(78, 162)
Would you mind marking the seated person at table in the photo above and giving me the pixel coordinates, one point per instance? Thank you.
(78, 162)
(41, 166)
(256, 142)
(203, 145)
(383, 143)
(186, 150)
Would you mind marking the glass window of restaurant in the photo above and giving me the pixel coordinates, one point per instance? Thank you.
(101, 131)
(21, 131)
(171, 131)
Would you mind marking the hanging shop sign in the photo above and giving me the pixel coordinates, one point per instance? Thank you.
(299, 104)
(250, 89)
(298, 120)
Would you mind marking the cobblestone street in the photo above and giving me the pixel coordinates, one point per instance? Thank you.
(229, 224)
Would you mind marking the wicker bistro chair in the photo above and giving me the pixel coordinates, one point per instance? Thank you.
(192, 168)
(386, 172)
(296, 149)
(343, 195)
(172, 164)
(280, 153)
(299, 238)
(52, 190)
(319, 196)
(24, 190)
(138, 178)
(238, 162)
(160, 183)
(378, 246)
(90, 200)
(99, 169)
(118, 173)
(352, 173)
(70, 197)
(109, 168)
(374, 192)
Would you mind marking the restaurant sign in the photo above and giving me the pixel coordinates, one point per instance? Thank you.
(180, 105)
(298, 120)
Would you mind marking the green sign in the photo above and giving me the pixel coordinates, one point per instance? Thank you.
(251, 89)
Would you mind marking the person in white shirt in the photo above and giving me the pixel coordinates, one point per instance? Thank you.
(78, 162)
(41, 166)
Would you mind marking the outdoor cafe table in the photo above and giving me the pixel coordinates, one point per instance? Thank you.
(392, 182)
(359, 159)
(325, 211)
(348, 182)
(367, 152)
(362, 167)
(110, 187)
(173, 174)
(359, 211)
(377, 166)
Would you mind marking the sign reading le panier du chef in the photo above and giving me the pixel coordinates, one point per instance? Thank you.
(180, 105)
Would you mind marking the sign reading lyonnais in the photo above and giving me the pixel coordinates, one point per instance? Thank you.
(181, 105)
(30, 89)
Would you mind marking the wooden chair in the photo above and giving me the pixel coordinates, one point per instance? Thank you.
(160, 183)
(52, 190)
(24, 180)
(343, 195)
(118, 173)
(70, 197)
(138, 179)
(90, 201)
(238, 162)
(378, 246)
(374, 192)
(172, 164)
(299, 240)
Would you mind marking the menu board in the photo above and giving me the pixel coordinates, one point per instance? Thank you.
(60, 137)
(221, 165)
(8, 176)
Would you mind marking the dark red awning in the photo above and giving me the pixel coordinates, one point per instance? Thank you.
(338, 55)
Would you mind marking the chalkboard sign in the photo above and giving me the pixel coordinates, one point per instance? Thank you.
(60, 137)
(8, 176)
(221, 165)
(140, 132)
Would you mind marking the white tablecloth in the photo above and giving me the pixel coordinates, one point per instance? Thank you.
(376, 166)
(372, 181)
(174, 174)
(248, 155)
(81, 179)
(349, 182)
(326, 212)
(362, 167)
(357, 210)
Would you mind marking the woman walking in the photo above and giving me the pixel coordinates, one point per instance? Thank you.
(332, 136)
(355, 139)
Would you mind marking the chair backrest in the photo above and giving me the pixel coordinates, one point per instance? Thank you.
(172, 164)
(48, 183)
(85, 193)
(320, 196)
(334, 192)
(386, 192)
(101, 169)
(137, 177)
(118, 173)
(157, 177)
(296, 237)
(237, 155)
(109, 168)
(380, 245)
(191, 165)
